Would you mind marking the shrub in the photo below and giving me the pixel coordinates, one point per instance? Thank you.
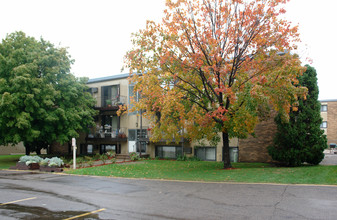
(110, 154)
(65, 160)
(31, 159)
(80, 161)
(194, 158)
(181, 158)
(52, 162)
(55, 161)
(134, 156)
(90, 162)
(103, 158)
(97, 156)
(87, 158)
(185, 158)
(45, 162)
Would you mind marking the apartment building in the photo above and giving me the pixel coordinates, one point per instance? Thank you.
(126, 133)
(130, 131)
(329, 116)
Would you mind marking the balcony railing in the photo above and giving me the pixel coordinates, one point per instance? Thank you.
(113, 135)
(109, 102)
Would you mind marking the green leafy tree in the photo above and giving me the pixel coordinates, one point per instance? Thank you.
(41, 102)
(300, 139)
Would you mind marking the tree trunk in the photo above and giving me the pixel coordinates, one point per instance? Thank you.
(27, 147)
(38, 150)
(225, 151)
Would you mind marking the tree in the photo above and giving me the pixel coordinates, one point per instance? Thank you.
(40, 101)
(301, 139)
(215, 66)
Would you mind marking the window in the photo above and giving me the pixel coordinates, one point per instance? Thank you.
(86, 149)
(106, 147)
(206, 153)
(89, 149)
(134, 95)
(170, 152)
(324, 124)
(110, 95)
(324, 108)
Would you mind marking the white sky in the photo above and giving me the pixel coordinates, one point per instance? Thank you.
(98, 32)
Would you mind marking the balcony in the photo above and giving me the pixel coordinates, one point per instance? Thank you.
(110, 103)
(147, 136)
(107, 135)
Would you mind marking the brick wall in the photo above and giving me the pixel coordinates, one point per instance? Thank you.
(332, 122)
(57, 148)
(254, 149)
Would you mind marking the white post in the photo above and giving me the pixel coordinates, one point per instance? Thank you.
(73, 143)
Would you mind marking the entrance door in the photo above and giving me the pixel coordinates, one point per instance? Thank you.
(132, 146)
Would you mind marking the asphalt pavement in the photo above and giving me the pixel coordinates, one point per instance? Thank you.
(33, 195)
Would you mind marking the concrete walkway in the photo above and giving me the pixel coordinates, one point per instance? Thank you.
(329, 159)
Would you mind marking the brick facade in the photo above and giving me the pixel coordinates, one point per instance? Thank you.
(254, 149)
(330, 116)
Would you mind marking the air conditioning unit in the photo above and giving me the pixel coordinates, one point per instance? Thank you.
(94, 90)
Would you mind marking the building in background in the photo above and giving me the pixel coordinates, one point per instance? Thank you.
(329, 116)
(16, 149)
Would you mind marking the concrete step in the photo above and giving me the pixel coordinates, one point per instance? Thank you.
(123, 156)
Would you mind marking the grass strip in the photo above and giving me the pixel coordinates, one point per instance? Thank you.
(213, 172)
(7, 161)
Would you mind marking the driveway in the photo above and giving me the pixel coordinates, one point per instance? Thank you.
(29, 195)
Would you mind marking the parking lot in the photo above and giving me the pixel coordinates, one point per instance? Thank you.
(30, 195)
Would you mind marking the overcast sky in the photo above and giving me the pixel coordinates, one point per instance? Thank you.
(98, 32)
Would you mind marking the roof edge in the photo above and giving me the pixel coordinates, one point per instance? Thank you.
(328, 100)
(108, 78)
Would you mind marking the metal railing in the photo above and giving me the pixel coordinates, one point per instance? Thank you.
(106, 102)
(112, 133)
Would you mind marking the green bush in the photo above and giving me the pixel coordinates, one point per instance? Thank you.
(110, 154)
(134, 156)
(194, 158)
(97, 156)
(80, 161)
(181, 158)
(103, 158)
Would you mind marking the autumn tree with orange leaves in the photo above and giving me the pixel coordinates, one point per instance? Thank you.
(215, 68)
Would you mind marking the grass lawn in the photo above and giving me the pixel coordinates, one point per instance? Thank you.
(7, 161)
(213, 172)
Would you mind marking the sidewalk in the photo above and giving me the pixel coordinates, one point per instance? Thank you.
(329, 159)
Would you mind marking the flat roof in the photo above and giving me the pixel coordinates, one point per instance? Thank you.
(328, 100)
(108, 78)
